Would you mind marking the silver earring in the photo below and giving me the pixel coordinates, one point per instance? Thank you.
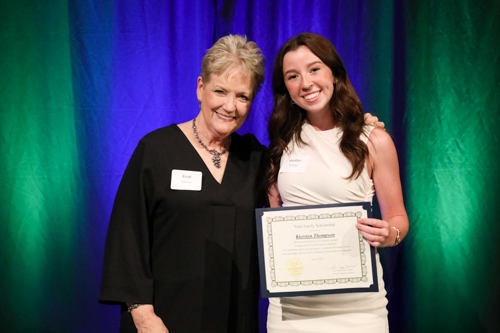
(199, 103)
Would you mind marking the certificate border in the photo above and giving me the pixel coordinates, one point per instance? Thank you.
(259, 212)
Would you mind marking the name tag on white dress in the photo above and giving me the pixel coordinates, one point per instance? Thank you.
(185, 180)
(295, 164)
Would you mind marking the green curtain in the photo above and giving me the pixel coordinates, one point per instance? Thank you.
(39, 163)
(453, 165)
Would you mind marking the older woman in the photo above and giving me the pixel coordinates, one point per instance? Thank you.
(317, 113)
(181, 246)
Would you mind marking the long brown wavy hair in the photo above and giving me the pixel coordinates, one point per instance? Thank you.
(287, 118)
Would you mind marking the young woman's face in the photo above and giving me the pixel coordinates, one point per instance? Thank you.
(309, 81)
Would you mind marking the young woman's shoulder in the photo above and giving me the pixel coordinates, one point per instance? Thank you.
(381, 147)
(379, 137)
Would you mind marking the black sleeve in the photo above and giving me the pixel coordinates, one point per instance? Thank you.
(127, 275)
(252, 142)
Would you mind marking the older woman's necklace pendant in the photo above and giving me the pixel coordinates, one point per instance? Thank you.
(217, 155)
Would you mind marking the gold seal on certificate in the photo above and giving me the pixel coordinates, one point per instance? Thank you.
(294, 267)
(313, 250)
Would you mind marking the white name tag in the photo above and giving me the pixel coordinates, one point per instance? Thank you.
(186, 180)
(295, 164)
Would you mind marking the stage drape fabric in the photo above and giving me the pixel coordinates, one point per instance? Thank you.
(82, 81)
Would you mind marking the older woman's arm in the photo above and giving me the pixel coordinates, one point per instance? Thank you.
(384, 167)
(146, 321)
(127, 271)
(373, 120)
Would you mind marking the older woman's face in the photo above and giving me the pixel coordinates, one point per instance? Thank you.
(225, 101)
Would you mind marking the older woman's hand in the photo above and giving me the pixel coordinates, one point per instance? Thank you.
(373, 120)
(146, 321)
(376, 232)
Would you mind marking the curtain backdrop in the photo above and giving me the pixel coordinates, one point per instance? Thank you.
(82, 81)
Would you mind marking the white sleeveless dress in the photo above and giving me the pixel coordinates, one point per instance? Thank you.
(323, 182)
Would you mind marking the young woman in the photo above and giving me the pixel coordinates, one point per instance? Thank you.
(317, 113)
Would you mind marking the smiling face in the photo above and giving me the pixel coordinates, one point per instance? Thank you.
(309, 81)
(225, 102)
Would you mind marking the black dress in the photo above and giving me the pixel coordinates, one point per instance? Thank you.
(192, 254)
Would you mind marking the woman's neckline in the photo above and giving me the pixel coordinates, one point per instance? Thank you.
(335, 128)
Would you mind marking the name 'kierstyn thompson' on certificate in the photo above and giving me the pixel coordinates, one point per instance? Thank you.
(314, 250)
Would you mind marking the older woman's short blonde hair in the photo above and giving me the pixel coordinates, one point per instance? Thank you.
(232, 51)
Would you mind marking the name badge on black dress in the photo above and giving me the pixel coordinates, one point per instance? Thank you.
(186, 180)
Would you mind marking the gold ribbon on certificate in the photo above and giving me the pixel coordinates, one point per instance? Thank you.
(314, 250)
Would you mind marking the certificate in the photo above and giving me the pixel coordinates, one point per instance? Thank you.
(314, 250)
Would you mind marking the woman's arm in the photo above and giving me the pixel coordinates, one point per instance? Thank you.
(274, 196)
(384, 169)
(373, 120)
(146, 321)
(126, 273)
